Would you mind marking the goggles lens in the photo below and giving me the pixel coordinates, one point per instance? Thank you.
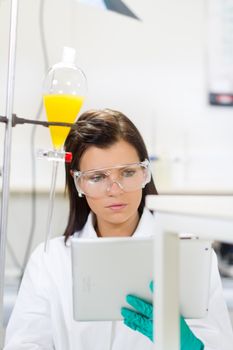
(129, 177)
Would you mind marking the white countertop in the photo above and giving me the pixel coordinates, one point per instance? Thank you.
(217, 206)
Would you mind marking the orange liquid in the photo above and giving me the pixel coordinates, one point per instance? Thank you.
(61, 108)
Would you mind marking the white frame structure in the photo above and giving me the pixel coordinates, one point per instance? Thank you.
(7, 155)
(209, 217)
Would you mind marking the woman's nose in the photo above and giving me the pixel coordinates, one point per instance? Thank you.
(114, 187)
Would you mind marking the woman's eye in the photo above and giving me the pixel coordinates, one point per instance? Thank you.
(96, 177)
(128, 172)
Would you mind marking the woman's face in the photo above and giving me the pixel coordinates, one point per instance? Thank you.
(114, 207)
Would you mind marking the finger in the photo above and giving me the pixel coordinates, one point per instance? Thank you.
(152, 286)
(140, 305)
(128, 314)
(138, 320)
(140, 324)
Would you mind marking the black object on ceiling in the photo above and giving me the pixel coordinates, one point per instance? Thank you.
(119, 7)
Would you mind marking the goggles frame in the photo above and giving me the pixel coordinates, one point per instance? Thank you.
(77, 174)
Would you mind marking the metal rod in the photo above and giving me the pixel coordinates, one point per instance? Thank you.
(51, 206)
(3, 119)
(18, 120)
(7, 155)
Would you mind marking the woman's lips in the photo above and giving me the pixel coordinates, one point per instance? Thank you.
(117, 206)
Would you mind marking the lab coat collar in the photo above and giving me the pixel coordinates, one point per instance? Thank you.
(89, 231)
(146, 226)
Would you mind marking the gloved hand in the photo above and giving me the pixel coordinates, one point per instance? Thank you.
(141, 320)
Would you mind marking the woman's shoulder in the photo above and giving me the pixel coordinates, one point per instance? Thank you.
(49, 268)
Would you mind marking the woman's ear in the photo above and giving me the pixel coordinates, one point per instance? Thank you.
(72, 173)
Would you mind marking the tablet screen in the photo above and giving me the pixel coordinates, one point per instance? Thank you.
(105, 270)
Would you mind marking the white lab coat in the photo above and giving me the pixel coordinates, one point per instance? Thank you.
(42, 317)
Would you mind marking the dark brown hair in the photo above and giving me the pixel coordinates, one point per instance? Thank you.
(99, 128)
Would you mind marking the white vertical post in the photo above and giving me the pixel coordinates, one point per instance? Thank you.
(7, 155)
(166, 289)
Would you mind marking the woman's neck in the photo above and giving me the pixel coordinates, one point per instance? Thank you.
(124, 229)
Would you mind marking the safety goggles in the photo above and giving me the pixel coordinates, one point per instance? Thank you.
(97, 183)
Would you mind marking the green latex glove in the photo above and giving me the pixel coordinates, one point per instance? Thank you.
(141, 320)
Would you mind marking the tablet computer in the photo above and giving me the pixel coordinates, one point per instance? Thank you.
(105, 270)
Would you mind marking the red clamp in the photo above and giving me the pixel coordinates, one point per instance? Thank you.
(68, 157)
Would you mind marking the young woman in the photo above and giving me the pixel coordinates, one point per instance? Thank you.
(107, 182)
